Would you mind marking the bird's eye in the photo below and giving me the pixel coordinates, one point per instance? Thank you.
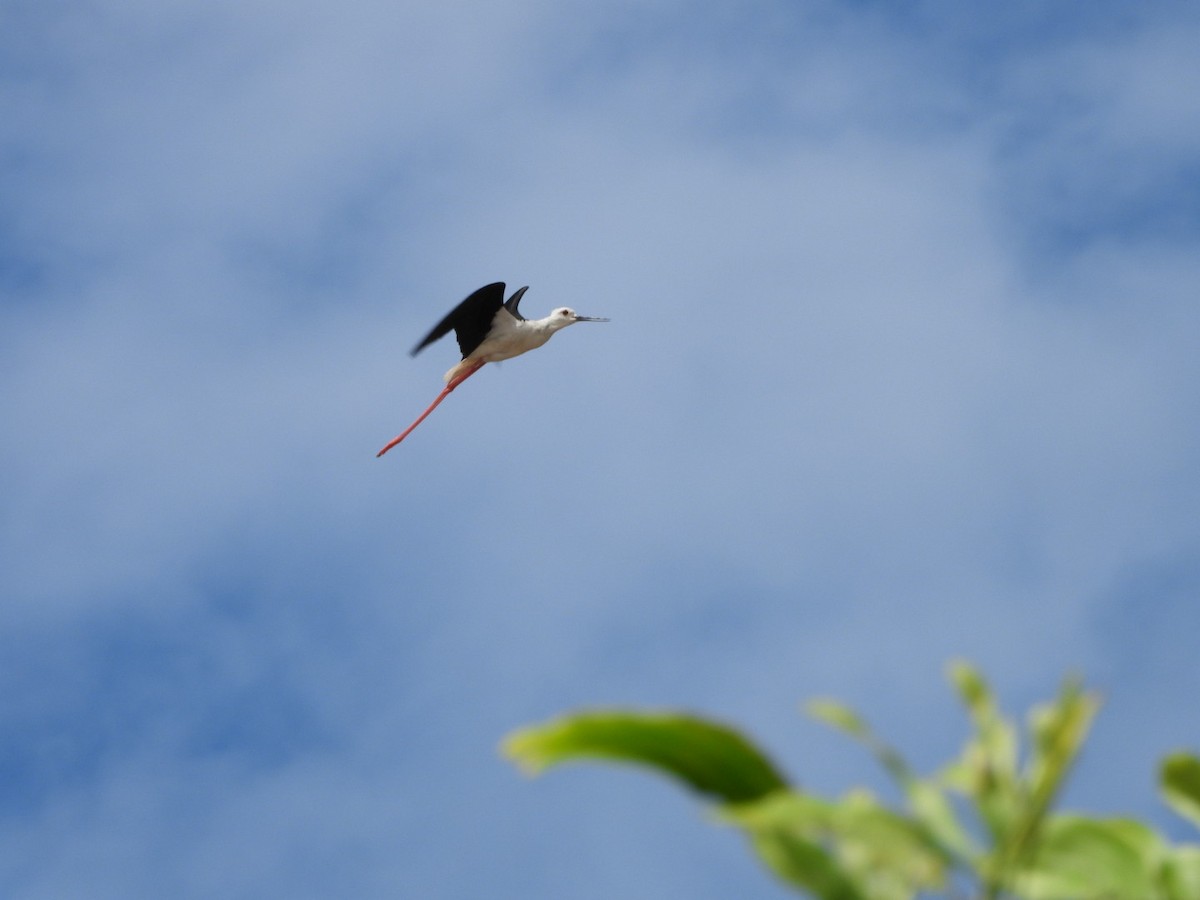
(563, 312)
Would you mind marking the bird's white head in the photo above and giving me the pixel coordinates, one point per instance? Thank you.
(564, 316)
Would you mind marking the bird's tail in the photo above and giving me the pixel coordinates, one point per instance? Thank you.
(460, 372)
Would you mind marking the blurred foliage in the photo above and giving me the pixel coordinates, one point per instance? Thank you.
(983, 826)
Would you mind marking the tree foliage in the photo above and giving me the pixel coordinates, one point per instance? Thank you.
(983, 825)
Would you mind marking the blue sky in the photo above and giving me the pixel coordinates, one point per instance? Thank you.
(903, 367)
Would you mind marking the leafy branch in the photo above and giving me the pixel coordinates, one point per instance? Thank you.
(981, 826)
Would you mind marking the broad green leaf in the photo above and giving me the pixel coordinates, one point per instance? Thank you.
(886, 854)
(813, 843)
(710, 758)
(1179, 780)
(1181, 873)
(889, 852)
(805, 864)
(1080, 857)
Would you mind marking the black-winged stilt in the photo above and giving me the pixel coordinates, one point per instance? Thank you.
(489, 329)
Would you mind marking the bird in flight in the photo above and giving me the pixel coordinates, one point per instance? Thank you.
(489, 329)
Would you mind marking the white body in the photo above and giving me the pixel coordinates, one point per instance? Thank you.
(510, 336)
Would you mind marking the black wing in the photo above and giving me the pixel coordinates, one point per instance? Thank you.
(471, 319)
(514, 301)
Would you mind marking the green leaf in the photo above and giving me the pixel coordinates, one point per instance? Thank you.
(1179, 780)
(884, 853)
(932, 808)
(805, 864)
(1181, 873)
(995, 746)
(892, 854)
(1080, 857)
(986, 774)
(971, 686)
(708, 757)
(791, 832)
(838, 715)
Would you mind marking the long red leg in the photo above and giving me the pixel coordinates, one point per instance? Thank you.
(432, 406)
